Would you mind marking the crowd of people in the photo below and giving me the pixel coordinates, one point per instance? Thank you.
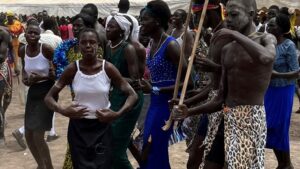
(121, 72)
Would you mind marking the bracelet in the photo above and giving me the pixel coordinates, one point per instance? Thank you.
(155, 90)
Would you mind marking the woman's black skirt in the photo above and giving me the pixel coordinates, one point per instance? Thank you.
(90, 144)
(38, 116)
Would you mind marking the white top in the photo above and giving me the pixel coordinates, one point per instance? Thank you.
(47, 37)
(92, 91)
(51, 39)
(179, 39)
(38, 64)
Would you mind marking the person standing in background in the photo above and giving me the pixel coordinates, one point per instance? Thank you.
(280, 94)
(15, 28)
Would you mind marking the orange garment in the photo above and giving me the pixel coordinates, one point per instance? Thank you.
(16, 28)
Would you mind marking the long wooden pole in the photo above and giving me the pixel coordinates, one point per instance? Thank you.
(190, 65)
(182, 57)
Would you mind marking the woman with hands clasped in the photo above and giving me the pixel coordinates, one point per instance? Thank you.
(38, 74)
(89, 132)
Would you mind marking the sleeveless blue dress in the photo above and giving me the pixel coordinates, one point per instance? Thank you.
(163, 74)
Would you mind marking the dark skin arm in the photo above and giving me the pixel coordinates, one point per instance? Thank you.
(21, 53)
(206, 64)
(133, 66)
(141, 53)
(16, 66)
(211, 63)
(214, 105)
(107, 115)
(73, 111)
(102, 36)
(202, 95)
(189, 44)
(5, 40)
(256, 51)
(287, 75)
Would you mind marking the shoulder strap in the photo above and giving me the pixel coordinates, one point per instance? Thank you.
(25, 50)
(103, 65)
(41, 49)
(77, 65)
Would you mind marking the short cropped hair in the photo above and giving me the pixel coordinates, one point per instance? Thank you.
(160, 11)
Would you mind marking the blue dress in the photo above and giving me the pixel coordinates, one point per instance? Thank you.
(163, 74)
(279, 98)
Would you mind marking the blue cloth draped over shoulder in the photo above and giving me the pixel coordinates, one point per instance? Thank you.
(162, 73)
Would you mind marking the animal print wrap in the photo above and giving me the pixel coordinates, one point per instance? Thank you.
(245, 136)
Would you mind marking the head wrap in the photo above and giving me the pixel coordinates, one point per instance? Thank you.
(122, 22)
(198, 5)
(9, 13)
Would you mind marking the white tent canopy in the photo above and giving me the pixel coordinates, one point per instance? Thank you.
(72, 7)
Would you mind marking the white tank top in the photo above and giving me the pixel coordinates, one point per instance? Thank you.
(92, 91)
(179, 39)
(38, 64)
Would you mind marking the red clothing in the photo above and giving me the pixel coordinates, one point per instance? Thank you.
(64, 32)
(70, 28)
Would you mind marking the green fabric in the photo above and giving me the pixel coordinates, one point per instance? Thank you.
(122, 127)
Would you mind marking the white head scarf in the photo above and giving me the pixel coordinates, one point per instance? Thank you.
(122, 22)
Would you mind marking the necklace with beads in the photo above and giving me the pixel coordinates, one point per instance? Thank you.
(158, 45)
(113, 47)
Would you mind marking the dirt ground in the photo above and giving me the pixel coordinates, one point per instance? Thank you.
(12, 156)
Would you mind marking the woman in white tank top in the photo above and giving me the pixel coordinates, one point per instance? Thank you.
(89, 132)
(38, 74)
(178, 21)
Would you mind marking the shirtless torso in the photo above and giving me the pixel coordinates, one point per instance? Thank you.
(245, 74)
(5, 79)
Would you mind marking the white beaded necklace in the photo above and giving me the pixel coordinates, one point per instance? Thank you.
(115, 45)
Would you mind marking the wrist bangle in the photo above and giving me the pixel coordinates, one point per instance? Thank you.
(155, 90)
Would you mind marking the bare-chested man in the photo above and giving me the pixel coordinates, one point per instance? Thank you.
(5, 78)
(246, 62)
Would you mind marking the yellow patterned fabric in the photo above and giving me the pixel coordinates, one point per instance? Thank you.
(73, 56)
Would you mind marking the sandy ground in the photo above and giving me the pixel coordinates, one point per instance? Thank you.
(12, 157)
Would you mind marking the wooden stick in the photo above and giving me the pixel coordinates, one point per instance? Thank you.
(191, 59)
(179, 70)
(190, 65)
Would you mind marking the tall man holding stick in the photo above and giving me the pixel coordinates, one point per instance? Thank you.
(246, 63)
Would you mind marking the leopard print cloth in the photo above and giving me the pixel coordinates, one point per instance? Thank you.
(193, 130)
(214, 121)
(5, 72)
(245, 136)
